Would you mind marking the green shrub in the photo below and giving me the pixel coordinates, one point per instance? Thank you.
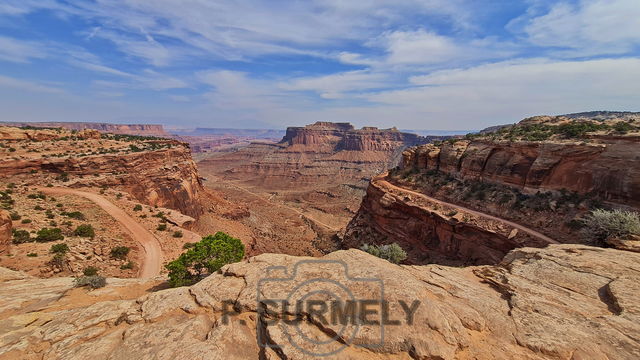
(59, 248)
(21, 236)
(85, 230)
(393, 253)
(90, 271)
(128, 266)
(137, 208)
(38, 208)
(206, 256)
(46, 235)
(189, 245)
(74, 215)
(94, 281)
(15, 216)
(178, 234)
(58, 260)
(32, 255)
(602, 224)
(120, 252)
(162, 227)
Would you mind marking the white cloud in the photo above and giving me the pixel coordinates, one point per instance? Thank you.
(20, 51)
(333, 86)
(9, 82)
(590, 27)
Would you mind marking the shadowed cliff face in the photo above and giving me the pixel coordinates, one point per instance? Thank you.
(429, 232)
(606, 167)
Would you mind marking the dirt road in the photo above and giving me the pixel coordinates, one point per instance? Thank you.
(381, 181)
(152, 261)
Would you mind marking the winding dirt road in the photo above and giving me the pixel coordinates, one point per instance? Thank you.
(381, 181)
(153, 256)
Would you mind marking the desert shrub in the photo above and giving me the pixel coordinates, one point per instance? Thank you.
(32, 255)
(623, 127)
(127, 266)
(137, 208)
(177, 234)
(162, 227)
(90, 271)
(207, 256)
(58, 260)
(46, 235)
(120, 252)
(85, 230)
(21, 236)
(38, 208)
(74, 215)
(393, 253)
(187, 246)
(602, 224)
(15, 216)
(94, 281)
(59, 248)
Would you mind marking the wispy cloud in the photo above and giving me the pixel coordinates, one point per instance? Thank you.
(10, 82)
(20, 51)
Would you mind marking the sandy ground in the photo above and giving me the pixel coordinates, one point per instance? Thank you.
(153, 256)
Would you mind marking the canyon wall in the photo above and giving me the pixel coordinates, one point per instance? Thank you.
(125, 129)
(428, 232)
(318, 154)
(167, 177)
(605, 166)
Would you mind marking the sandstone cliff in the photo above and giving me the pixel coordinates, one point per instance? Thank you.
(562, 302)
(5, 230)
(127, 129)
(606, 167)
(167, 178)
(321, 153)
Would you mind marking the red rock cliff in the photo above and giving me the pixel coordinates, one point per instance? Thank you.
(167, 177)
(608, 167)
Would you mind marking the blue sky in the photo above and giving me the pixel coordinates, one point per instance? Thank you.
(414, 64)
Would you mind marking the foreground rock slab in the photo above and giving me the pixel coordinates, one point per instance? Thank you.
(560, 302)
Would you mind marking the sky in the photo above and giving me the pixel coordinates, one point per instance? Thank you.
(413, 64)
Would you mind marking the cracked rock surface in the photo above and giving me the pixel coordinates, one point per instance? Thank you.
(560, 302)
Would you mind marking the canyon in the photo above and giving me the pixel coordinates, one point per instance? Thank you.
(315, 176)
(495, 265)
(430, 204)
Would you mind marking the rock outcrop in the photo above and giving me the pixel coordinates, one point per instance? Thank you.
(428, 231)
(317, 154)
(125, 129)
(606, 167)
(5, 230)
(167, 177)
(562, 302)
